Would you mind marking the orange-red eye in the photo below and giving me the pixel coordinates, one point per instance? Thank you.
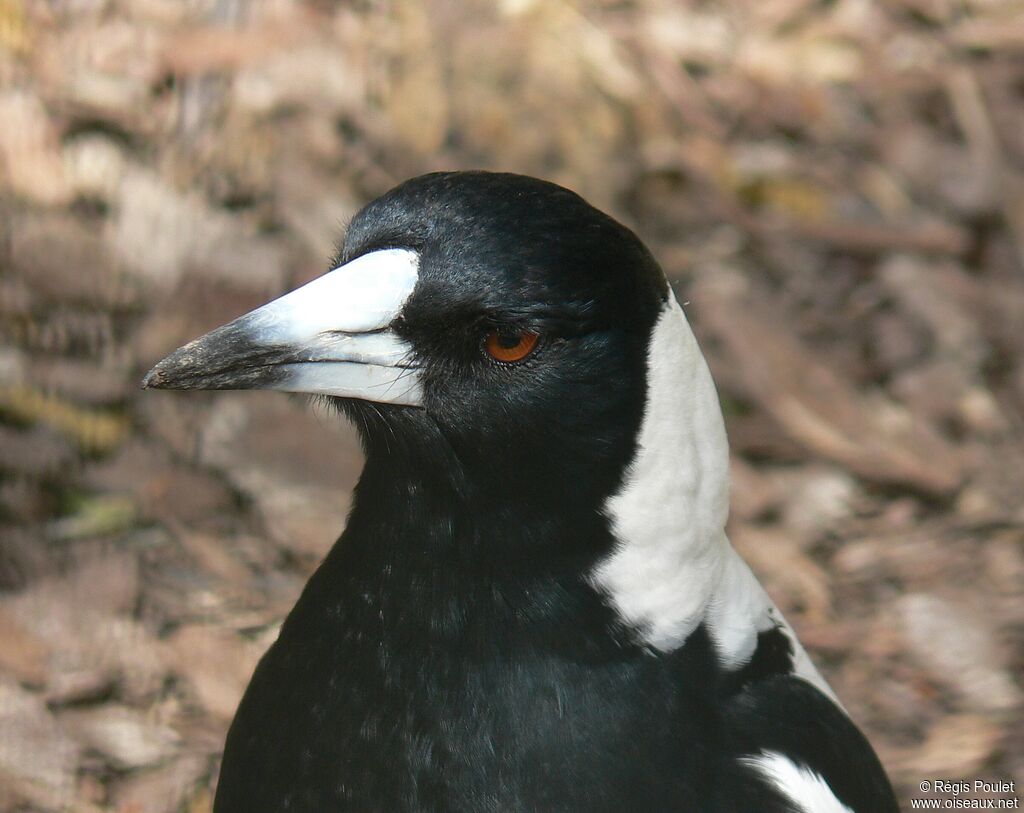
(510, 346)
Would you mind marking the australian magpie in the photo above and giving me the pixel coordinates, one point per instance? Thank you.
(534, 605)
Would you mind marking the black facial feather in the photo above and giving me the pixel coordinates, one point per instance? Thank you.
(507, 252)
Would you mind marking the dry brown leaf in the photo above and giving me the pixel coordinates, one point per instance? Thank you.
(37, 758)
(127, 738)
(67, 264)
(93, 431)
(818, 499)
(29, 152)
(789, 575)
(302, 493)
(207, 49)
(752, 494)
(817, 406)
(161, 790)
(22, 654)
(216, 663)
(161, 233)
(15, 31)
(35, 452)
(956, 746)
(105, 65)
(93, 643)
(83, 382)
(162, 489)
(959, 650)
(214, 556)
(94, 166)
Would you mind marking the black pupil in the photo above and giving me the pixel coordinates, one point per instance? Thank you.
(509, 340)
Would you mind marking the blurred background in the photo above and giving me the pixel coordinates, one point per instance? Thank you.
(835, 186)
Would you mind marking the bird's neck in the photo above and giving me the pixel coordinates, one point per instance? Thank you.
(654, 552)
(434, 516)
(673, 566)
(421, 560)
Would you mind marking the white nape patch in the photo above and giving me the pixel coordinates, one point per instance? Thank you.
(362, 295)
(802, 786)
(674, 567)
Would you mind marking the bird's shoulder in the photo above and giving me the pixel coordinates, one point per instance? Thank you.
(793, 737)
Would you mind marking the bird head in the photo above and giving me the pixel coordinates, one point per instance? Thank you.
(499, 316)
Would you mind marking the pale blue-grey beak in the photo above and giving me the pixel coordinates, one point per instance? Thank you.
(332, 336)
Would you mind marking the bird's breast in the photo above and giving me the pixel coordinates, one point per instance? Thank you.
(419, 697)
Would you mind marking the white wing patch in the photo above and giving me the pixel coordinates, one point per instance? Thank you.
(800, 785)
(674, 568)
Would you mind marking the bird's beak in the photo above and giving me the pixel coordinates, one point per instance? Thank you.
(332, 336)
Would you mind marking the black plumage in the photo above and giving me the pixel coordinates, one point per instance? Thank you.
(454, 651)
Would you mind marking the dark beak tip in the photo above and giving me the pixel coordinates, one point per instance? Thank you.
(152, 380)
(162, 376)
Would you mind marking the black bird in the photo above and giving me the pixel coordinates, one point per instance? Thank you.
(534, 606)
